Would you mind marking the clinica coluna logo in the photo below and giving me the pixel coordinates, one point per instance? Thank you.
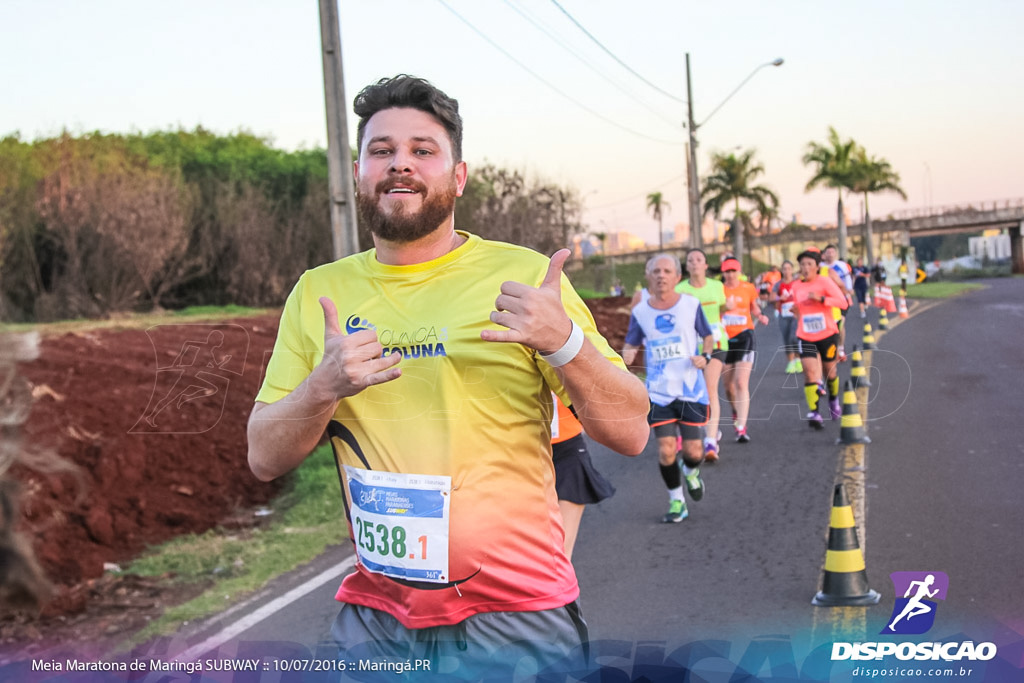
(426, 341)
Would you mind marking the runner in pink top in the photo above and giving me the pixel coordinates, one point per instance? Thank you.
(817, 334)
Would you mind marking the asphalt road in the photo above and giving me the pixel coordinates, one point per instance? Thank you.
(938, 489)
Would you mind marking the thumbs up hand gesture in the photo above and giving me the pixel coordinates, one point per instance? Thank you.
(354, 361)
(533, 316)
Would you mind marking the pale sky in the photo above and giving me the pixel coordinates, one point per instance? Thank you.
(932, 86)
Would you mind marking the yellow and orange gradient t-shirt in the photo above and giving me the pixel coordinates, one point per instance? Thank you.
(446, 471)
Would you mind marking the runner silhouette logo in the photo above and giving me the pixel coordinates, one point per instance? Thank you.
(914, 613)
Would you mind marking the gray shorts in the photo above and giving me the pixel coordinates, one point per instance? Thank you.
(787, 326)
(490, 646)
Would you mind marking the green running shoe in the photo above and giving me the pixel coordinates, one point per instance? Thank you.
(677, 512)
(695, 485)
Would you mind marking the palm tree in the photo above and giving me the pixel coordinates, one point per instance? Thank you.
(871, 175)
(731, 180)
(655, 204)
(833, 163)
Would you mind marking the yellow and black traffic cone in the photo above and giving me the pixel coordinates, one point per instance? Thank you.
(851, 426)
(858, 373)
(903, 306)
(869, 338)
(845, 580)
(883, 320)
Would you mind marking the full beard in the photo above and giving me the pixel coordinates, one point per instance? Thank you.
(400, 225)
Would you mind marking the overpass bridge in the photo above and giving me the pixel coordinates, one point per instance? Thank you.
(1007, 213)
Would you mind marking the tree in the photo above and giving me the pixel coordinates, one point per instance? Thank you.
(504, 204)
(731, 181)
(100, 223)
(656, 204)
(872, 175)
(833, 167)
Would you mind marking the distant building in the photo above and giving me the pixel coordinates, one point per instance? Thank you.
(990, 247)
(681, 233)
(625, 241)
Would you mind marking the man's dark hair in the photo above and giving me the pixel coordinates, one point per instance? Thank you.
(404, 91)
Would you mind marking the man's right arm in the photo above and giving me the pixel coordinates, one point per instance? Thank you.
(283, 433)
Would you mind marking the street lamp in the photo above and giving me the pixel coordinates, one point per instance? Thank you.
(696, 239)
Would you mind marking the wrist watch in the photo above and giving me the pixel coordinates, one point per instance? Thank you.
(707, 357)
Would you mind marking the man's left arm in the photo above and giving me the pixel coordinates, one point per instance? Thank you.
(611, 403)
(707, 347)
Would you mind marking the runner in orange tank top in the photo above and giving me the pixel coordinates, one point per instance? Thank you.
(741, 310)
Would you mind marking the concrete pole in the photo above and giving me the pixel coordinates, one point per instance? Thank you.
(696, 224)
(1016, 249)
(339, 153)
(869, 238)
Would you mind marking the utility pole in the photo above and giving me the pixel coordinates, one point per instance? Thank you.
(696, 238)
(339, 160)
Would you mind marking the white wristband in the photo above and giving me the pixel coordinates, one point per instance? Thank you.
(569, 349)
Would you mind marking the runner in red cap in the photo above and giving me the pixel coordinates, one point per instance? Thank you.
(741, 310)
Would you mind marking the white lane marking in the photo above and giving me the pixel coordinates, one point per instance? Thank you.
(275, 605)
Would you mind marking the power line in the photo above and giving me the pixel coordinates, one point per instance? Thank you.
(611, 54)
(589, 65)
(635, 197)
(549, 84)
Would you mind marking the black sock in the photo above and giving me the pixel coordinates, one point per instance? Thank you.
(670, 474)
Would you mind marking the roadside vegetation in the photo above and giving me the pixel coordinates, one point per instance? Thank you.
(940, 290)
(139, 320)
(303, 521)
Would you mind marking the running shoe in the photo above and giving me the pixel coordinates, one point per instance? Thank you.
(835, 408)
(814, 420)
(695, 485)
(799, 365)
(677, 512)
(741, 435)
(711, 451)
(791, 368)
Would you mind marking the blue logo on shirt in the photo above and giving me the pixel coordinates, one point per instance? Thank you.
(666, 322)
(355, 323)
(423, 342)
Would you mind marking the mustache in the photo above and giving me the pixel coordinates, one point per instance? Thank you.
(389, 184)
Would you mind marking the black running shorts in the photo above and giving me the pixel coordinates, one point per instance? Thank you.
(827, 349)
(686, 416)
